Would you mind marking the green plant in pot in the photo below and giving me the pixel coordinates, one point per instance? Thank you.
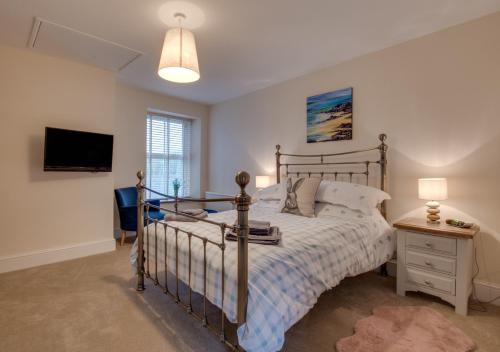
(177, 186)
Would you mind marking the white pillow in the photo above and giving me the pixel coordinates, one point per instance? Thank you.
(268, 204)
(351, 195)
(271, 192)
(327, 210)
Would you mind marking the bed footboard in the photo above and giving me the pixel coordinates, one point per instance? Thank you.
(242, 202)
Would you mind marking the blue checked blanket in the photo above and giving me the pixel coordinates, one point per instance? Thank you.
(285, 281)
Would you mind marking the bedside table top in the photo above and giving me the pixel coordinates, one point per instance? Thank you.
(421, 225)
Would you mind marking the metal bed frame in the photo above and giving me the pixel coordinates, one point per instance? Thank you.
(359, 167)
(242, 202)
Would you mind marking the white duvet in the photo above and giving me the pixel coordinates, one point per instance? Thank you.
(285, 281)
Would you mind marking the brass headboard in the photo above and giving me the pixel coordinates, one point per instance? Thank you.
(349, 168)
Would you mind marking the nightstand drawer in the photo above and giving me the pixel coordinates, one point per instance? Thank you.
(431, 281)
(431, 262)
(432, 243)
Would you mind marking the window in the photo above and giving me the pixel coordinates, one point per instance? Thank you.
(168, 154)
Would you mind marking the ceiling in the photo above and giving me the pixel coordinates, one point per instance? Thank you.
(243, 45)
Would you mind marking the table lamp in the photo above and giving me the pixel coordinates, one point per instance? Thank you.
(264, 181)
(432, 189)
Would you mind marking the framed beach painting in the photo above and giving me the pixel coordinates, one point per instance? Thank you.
(329, 116)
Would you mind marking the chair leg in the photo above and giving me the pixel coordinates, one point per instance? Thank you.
(122, 238)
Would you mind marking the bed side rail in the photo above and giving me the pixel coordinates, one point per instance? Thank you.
(178, 200)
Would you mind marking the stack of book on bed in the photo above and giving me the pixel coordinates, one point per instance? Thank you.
(259, 232)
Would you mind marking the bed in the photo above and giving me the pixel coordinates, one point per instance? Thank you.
(263, 289)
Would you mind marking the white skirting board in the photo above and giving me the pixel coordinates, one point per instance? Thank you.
(486, 291)
(55, 255)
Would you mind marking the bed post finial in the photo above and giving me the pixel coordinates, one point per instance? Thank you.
(242, 179)
(140, 231)
(383, 169)
(140, 176)
(242, 205)
(278, 163)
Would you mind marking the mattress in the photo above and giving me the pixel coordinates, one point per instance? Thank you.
(286, 280)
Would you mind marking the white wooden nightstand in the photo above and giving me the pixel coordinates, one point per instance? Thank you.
(436, 259)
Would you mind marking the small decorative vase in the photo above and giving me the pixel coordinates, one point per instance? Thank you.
(177, 186)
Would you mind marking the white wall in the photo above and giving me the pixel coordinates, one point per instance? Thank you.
(132, 105)
(52, 216)
(48, 210)
(437, 99)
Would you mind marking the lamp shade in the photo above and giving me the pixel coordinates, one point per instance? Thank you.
(264, 181)
(432, 188)
(179, 60)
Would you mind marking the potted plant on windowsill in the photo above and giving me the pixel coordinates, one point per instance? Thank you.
(177, 185)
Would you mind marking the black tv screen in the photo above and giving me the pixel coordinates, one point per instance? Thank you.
(67, 150)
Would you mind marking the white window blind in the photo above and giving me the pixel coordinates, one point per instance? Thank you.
(168, 154)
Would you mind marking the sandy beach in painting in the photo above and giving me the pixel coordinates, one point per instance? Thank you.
(329, 116)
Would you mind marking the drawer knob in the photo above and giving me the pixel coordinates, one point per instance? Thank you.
(428, 244)
(428, 283)
(429, 264)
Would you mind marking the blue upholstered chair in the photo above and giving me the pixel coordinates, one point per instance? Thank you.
(126, 199)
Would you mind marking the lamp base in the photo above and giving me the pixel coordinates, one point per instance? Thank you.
(433, 212)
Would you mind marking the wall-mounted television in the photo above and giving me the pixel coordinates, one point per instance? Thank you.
(68, 150)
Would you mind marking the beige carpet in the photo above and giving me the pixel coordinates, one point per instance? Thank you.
(90, 304)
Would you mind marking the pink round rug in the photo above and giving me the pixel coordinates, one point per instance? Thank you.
(405, 329)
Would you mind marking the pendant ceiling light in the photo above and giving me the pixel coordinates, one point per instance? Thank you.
(179, 60)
